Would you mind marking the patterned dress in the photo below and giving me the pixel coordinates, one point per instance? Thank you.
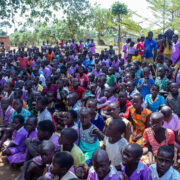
(139, 123)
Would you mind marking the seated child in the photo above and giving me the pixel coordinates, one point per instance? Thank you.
(156, 135)
(35, 167)
(173, 99)
(67, 141)
(108, 98)
(77, 88)
(163, 169)
(136, 56)
(114, 112)
(114, 142)
(102, 168)
(140, 120)
(171, 121)
(161, 79)
(124, 104)
(45, 132)
(154, 101)
(110, 78)
(30, 127)
(132, 167)
(16, 144)
(96, 118)
(60, 166)
(89, 135)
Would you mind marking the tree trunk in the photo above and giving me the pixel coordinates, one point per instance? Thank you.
(100, 41)
(119, 34)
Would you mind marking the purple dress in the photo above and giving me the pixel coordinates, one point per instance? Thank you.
(6, 117)
(18, 138)
(142, 172)
(125, 48)
(112, 175)
(47, 72)
(93, 48)
(2, 82)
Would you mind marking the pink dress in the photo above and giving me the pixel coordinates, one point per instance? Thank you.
(148, 137)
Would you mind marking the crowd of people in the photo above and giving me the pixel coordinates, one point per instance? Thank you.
(68, 112)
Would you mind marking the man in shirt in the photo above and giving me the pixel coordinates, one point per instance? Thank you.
(149, 46)
(175, 50)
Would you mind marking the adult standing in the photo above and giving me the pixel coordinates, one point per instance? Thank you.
(150, 48)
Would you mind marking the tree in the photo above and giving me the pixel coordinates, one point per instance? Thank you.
(166, 13)
(119, 10)
(101, 21)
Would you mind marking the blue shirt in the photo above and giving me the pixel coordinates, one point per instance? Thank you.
(154, 105)
(98, 121)
(145, 89)
(148, 48)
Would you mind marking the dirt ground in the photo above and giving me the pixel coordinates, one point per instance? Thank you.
(6, 171)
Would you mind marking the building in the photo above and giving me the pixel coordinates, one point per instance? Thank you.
(5, 43)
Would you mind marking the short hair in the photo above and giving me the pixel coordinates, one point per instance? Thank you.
(120, 125)
(73, 114)
(156, 86)
(46, 125)
(139, 95)
(63, 159)
(74, 94)
(137, 149)
(43, 100)
(20, 100)
(20, 118)
(167, 149)
(70, 133)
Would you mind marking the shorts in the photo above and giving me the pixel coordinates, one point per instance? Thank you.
(149, 60)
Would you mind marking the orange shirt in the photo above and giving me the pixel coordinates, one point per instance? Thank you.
(50, 56)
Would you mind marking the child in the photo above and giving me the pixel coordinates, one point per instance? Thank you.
(45, 132)
(102, 168)
(161, 79)
(67, 141)
(136, 56)
(89, 135)
(171, 121)
(110, 78)
(140, 119)
(154, 101)
(133, 168)
(97, 119)
(108, 98)
(173, 99)
(114, 142)
(131, 49)
(76, 88)
(60, 166)
(145, 83)
(101, 80)
(82, 77)
(30, 126)
(73, 103)
(156, 135)
(36, 166)
(41, 107)
(163, 168)
(19, 136)
(114, 112)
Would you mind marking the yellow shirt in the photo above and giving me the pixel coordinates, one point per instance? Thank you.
(136, 58)
(166, 49)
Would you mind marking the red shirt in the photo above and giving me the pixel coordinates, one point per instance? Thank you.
(23, 62)
(83, 80)
(128, 104)
(140, 47)
(79, 91)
